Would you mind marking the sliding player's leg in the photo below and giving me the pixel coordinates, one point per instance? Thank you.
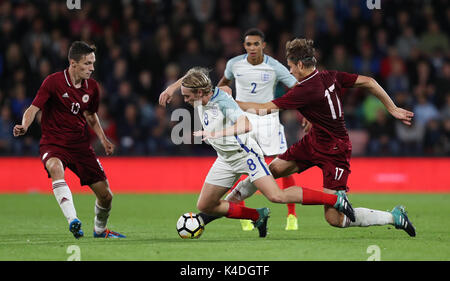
(305, 196)
(365, 217)
(335, 182)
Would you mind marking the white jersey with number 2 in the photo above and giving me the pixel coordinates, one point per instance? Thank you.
(256, 83)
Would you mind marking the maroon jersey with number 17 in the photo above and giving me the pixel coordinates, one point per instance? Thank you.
(319, 98)
(62, 107)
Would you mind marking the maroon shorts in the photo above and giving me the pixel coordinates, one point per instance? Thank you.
(83, 162)
(335, 166)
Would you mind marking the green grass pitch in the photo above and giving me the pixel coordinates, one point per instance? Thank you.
(33, 228)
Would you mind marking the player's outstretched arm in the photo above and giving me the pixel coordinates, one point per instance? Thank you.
(241, 126)
(374, 88)
(27, 119)
(166, 96)
(94, 123)
(223, 82)
(258, 108)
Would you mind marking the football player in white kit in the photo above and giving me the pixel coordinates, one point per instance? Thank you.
(226, 128)
(256, 75)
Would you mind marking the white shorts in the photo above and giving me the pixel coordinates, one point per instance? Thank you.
(225, 174)
(268, 133)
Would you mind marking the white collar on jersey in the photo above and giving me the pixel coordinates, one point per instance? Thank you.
(311, 76)
(67, 80)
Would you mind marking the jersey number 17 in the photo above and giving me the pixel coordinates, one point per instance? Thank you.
(328, 93)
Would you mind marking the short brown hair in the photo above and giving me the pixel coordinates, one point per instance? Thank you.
(78, 49)
(301, 50)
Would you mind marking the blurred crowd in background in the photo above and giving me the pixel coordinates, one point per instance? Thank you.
(145, 45)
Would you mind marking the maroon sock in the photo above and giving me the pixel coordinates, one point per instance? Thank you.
(236, 211)
(313, 197)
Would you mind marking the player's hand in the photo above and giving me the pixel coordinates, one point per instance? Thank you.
(166, 96)
(403, 115)
(306, 125)
(205, 135)
(19, 130)
(227, 90)
(109, 147)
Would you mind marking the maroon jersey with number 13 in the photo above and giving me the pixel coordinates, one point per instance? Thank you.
(62, 107)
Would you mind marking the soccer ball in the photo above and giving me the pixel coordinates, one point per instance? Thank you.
(190, 226)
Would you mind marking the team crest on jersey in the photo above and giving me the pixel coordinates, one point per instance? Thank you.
(85, 98)
(265, 76)
(215, 111)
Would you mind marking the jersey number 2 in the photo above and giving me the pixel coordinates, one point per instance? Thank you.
(254, 88)
(328, 93)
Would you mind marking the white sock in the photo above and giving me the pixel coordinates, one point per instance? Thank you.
(101, 218)
(368, 217)
(64, 198)
(242, 191)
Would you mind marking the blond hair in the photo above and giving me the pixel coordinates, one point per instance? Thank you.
(197, 78)
(301, 50)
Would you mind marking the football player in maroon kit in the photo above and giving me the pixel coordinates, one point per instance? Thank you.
(318, 96)
(69, 101)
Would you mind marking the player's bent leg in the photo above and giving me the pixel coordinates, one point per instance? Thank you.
(63, 195)
(103, 193)
(209, 200)
(102, 210)
(55, 168)
(334, 217)
(237, 196)
(342, 211)
(269, 188)
(243, 190)
(365, 217)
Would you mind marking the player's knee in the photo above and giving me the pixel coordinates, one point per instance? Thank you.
(205, 207)
(275, 170)
(108, 197)
(105, 197)
(55, 169)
